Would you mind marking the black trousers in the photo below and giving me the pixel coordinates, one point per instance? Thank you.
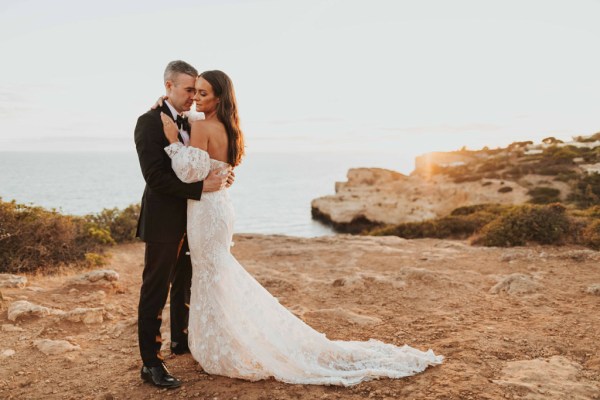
(166, 265)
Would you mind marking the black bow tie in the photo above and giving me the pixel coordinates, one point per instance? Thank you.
(183, 123)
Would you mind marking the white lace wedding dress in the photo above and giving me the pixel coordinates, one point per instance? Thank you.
(238, 329)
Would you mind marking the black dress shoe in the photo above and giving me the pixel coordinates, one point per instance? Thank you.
(160, 376)
(179, 348)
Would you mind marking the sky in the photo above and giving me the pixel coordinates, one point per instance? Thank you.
(404, 77)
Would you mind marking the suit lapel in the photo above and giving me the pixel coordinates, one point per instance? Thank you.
(165, 108)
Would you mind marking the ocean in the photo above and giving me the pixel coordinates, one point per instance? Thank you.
(271, 194)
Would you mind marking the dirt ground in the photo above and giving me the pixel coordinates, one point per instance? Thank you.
(519, 323)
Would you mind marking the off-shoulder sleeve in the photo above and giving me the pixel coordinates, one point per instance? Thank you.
(190, 164)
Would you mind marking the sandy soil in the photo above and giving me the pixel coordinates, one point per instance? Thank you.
(520, 323)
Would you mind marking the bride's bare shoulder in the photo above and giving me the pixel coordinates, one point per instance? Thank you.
(206, 125)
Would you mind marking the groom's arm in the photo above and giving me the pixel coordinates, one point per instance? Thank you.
(150, 143)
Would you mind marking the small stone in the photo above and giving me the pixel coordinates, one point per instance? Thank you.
(22, 308)
(339, 282)
(12, 281)
(86, 315)
(7, 353)
(96, 276)
(11, 328)
(516, 284)
(51, 347)
(594, 289)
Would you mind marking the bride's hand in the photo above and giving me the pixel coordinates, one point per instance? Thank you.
(230, 178)
(159, 102)
(170, 128)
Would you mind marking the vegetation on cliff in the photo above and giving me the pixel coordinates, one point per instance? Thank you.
(35, 239)
(505, 226)
(565, 162)
(549, 217)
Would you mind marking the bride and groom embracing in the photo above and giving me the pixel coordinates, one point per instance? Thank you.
(219, 313)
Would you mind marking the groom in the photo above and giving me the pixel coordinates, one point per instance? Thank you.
(162, 225)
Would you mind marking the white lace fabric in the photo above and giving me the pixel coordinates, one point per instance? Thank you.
(238, 329)
(190, 164)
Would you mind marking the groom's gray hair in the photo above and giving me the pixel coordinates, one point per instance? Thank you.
(179, 67)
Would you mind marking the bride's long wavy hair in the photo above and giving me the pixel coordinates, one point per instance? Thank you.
(227, 113)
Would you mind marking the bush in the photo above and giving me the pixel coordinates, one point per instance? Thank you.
(554, 169)
(505, 189)
(32, 239)
(586, 191)
(591, 235)
(495, 209)
(547, 224)
(566, 176)
(120, 224)
(35, 239)
(561, 155)
(544, 195)
(592, 212)
(518, 171)
(491, 165)
(460, 224)
(506, 225)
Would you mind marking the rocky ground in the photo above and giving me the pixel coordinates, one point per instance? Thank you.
(520, 323)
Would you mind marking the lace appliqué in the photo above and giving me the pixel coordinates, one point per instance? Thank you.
(190, 164)
(238, 329)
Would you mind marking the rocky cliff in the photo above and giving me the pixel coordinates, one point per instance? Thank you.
(522, 172)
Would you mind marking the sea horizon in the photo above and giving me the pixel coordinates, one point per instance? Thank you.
(271, 195)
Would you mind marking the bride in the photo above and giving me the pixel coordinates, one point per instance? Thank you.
(236, 327)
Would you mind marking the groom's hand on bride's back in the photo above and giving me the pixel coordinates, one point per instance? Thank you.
(218, 180)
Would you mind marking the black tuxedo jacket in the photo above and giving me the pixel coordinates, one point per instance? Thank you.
(163, 213)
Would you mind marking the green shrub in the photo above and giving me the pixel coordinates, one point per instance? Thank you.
(561, 155)
(591, 212)
(566, 176)
(491, 165)
(586, 191)
(94, 260)
(544, 224)
(32, 239)
(508, 225)
(120, 224)
(491, 208)
(544, 195)
(100, 235)
(554, 169)
(35, 239)
(460, 224)
(591, 235)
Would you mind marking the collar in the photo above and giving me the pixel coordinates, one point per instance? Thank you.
(173, 110)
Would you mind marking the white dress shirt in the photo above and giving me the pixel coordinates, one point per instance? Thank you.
(184, 134)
